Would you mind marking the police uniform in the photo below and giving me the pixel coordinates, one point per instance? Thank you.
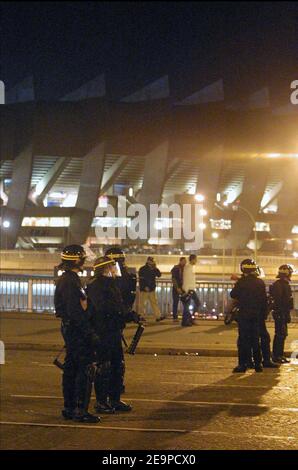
(127, 283)
(79, 337)
(282, 300)
(250, 292)
(108, 316)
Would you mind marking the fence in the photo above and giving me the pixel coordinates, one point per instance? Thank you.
(36, 294)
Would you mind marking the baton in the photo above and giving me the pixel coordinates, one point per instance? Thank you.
(135, 340)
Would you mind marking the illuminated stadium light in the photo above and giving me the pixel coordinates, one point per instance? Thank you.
(271, 209)
(273, 155)
(262, 227)
(46, 222)
(295, 229)
(203, 212)
(221, 224)
(199, 197)
(295, 254)
(215, 235)
(6, 224)
(289, 242)
(202, 226)
(192, 190)
(130, 192)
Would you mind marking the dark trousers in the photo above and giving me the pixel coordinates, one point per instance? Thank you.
(75, 379)
(265, 341)
(186, 316)
(109, 378)
(281, 332)
(248, 340)
(176, 299)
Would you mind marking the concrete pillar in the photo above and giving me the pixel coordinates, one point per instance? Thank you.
(287, 198)
(89, 190)
(253, 190)
(155, 174)
(14, 211)
(210, 167)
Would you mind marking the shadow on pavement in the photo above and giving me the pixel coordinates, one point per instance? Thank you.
(198, 417)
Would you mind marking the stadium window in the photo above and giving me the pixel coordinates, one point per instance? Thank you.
(221, 224)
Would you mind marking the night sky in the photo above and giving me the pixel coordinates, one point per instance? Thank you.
(64, 44)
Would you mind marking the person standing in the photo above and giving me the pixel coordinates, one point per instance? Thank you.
(282, 298)
(127, 283)
(177, 280)
(189, 288)
(250, 292)
(108, 316)
(79, 336)
(147, 280)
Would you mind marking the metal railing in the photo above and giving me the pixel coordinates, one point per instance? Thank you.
(28, 293)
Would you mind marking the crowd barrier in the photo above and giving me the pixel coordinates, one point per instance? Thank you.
(29, 293)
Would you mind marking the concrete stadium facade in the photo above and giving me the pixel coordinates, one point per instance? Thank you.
(59, 159)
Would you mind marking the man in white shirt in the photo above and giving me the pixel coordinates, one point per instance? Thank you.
(189, 288)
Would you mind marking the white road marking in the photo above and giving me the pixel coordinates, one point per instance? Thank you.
(179, 402)
(153, 430)
(228, 386)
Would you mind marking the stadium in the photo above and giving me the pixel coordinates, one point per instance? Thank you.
(62, 159)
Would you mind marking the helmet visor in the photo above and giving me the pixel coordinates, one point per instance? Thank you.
(116, 271)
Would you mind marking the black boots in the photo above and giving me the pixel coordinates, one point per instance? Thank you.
(67, 413)
(121, 406)
(240, 369)
(270, 365)
(82, 416)
(105, 408)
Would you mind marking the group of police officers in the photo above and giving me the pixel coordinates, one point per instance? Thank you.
(93, 320)
(253, 306)
(92, 324)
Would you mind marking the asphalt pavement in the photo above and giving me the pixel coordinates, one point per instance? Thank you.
(179, 402)
(28, 331)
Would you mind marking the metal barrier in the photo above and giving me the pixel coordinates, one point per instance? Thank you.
(36, 294)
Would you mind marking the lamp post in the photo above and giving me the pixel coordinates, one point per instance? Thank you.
(238, 206)
(255, 229)
(215, 236)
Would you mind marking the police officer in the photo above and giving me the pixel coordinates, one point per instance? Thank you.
(108, 316)
(250, 292)
(177, 279)
(232, 314)
(282, 303)
(127, 283)
(79, 336)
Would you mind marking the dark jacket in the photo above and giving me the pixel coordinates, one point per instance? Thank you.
(250, 292)
(282, 297)
(147, 277)
(177, 276)
(67, 301)
(106, 307)
(127, 284)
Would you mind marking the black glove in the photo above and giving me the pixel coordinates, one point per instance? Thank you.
(96, 342)
(133, 316)
(288, 317)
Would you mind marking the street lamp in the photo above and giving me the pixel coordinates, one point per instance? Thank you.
(199, 197)
(238, 206)
(6, 224)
